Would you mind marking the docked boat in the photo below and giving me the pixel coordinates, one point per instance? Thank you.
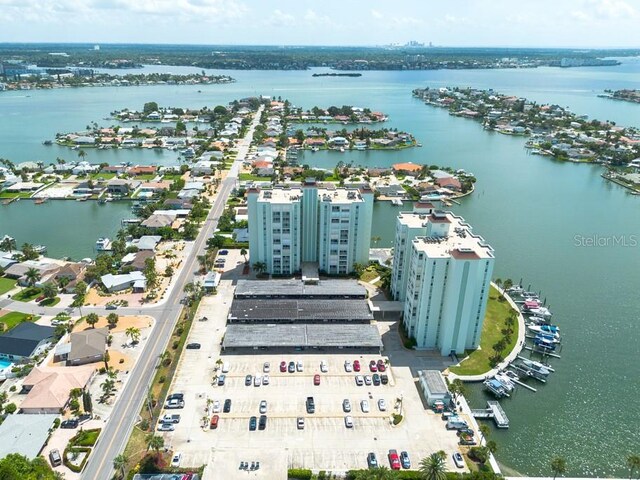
(544, 329)
(516, 290)
(315, 149)
(539, 320)
(536, 367)
(397, 202)
(40, 249)
(496, 387)
(47, 142)
(541, 312)
(506, 382)
(103, 244)
(548, 338)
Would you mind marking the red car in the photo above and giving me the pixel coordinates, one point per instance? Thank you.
(316, 379)
(394, 460)
(381, 366)
(214, 422)
(356, 365)
(283, 367)
(373, 366)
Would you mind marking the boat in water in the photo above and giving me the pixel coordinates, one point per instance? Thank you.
(536, 367)
(505, 380)
(40, 249)
(540, 312)
(544, 329)
(496, 387)
(103, 244)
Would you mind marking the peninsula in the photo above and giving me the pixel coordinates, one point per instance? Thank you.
(627, 95)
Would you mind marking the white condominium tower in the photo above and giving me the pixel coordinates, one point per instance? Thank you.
(443, 275)
(323, 225)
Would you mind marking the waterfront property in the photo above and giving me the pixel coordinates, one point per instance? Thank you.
(434, 389)
(330, 227)
(448, 279)
(24, 341)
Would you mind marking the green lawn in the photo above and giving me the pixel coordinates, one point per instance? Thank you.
(250, 176)
(27, 294)
(6, 284)
(104, 175)
(477, 362)
(369, 274)
(15, 194)
(172, 176)
(146, 177)
(50, 302)
(11, 319)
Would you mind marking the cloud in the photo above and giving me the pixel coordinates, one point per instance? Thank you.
(605, 10)
(376, 14)
(281, 19)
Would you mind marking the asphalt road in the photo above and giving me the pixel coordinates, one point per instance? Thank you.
(124, 415)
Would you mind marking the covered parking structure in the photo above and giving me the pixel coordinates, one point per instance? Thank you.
(294, 288)
(280, 310)
(361, 337)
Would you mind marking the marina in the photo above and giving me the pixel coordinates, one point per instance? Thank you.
(494, 412)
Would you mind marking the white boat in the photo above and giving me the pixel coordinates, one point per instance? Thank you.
(541, 312)
(506, 382)
(396, 201)
(536, 367)
(496, 387)
(39, 249)
(103, 244)
(539, 320)
(516, 289)
(545, 329)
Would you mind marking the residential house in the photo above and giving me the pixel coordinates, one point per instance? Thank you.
(155, 221)
(25, 435)
(115, 283)
(25, 340)
(450, 183)
(407, 168)
(136, 260)
(48, 388)
(145, 242)
(87, 346)
(18, 271)
(117, 186)
(70, 275)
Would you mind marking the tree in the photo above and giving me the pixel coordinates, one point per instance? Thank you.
(375, 239)
(33, 276)
(8, 244)
(120, 462)
(150, 273)
(633, 462)
(154, 442)
(92, 319)
(484, 431)
(380, 473)
(168, 272)
(558, 466)
(112, 319)
(82, 155)
(28, 252)
(87, 404)
(105, 358)
(149, 107)
(457, 388)
(49, 290)
(215, 242)
(108, 386)
(133, 333)
(433, 467)
(243, 252)
(260, 267)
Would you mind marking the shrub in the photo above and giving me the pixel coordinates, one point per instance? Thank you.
(56, 423)
(397, 418)
(85, 438)
(75, 450)
(162, 379)
(144, 425)
(175, 344)
(11, 408)
(152, 463)
(299, 474)
(13, 388)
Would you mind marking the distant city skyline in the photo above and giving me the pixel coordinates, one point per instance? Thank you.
(462, 23)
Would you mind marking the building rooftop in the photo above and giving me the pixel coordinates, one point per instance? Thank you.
(88, 343)
(413, 219)
(434, 381)
(290, 195)
(249, 336)
(293, 288)
(25, 434)
(298, 310)
(24, 338)
(459, 242)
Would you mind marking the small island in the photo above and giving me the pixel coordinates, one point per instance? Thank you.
(336, 75)
(627, 95)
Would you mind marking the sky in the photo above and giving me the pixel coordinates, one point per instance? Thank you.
(520, 23)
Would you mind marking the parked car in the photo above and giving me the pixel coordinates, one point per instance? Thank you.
(262, 423)
(316, 379)
(214, 422)
(346, 405)
(174, 403)
(359, 380)
(347, 366)
(324, 368)
(221, 380)
(176, 395)
(55, 458)
(247, 380)
(265, 379)
(299, 366)
(300, 423)
(384, 379)
(376, 379)
(223, 252)
(458, 460)
(227, 406)
(72, 423)
(367, 379)
(356, 365)
(283, 367)
(404, 460)
(382, 405)
(263, 406)
(175, 461)
(257, 381)
(216, 406)
(381, 366)
(373, 366)
(171, 418)
(165, 427)
(311, 405)
(266, 367)
(372, 461)
(348, 421)
(394, 461)
(253, 423)
(193, 346)
(364, 406)
(292, 367)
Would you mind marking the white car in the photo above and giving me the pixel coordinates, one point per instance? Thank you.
(324, 368)
(263, 406)
(359, 380)
(346, 405)
(364, 405)
(175, 460)
(348, 421)
(216, 406)
(299, 366)
(265, 379)
(458, 460)
(347, 366)
(382, 405)
(266, 367)
(367, 379)
(257, 381)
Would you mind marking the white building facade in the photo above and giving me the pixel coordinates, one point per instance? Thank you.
(448, 276)
(327, 226)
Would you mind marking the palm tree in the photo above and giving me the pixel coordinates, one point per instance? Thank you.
(558, 466)
(49, 290)
(484, 431)
(120, 462)
(498, 282)
(33, 276)
(243, 252)
(633, 462)
(82, 154)
(433, 467)
(155, 442)
(8, 244)
(260, 267)
(133, 333)
(92, 319)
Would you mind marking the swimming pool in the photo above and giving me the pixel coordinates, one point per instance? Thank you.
(5, 363)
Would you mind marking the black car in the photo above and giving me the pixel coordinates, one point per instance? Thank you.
(253, 421)
(372, 461)
(247, 380)
(193, 346)
(376, 379)
(292, 367)
(69, 424)
(311, 405)
(176, 396)
(227, 406)
(384, 379)
(262, 424)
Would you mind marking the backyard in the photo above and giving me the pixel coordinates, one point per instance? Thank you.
(6, 284)
(12, 319)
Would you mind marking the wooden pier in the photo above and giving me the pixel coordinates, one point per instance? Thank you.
(494, 411)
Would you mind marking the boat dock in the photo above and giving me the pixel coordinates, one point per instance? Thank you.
(542, 351)
(548, 367)
(130, 221)
(494, 411)
(527, 372)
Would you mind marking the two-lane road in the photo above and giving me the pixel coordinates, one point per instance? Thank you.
(124, 415)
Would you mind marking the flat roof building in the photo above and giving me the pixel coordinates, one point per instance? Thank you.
(294, 288)
(285, 310)
(433, 386)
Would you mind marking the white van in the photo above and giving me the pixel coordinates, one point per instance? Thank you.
(456, 423)
(225, 367)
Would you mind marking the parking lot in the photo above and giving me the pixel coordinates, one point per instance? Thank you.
(325, 442)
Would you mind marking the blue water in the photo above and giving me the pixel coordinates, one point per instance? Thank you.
(4, 364)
